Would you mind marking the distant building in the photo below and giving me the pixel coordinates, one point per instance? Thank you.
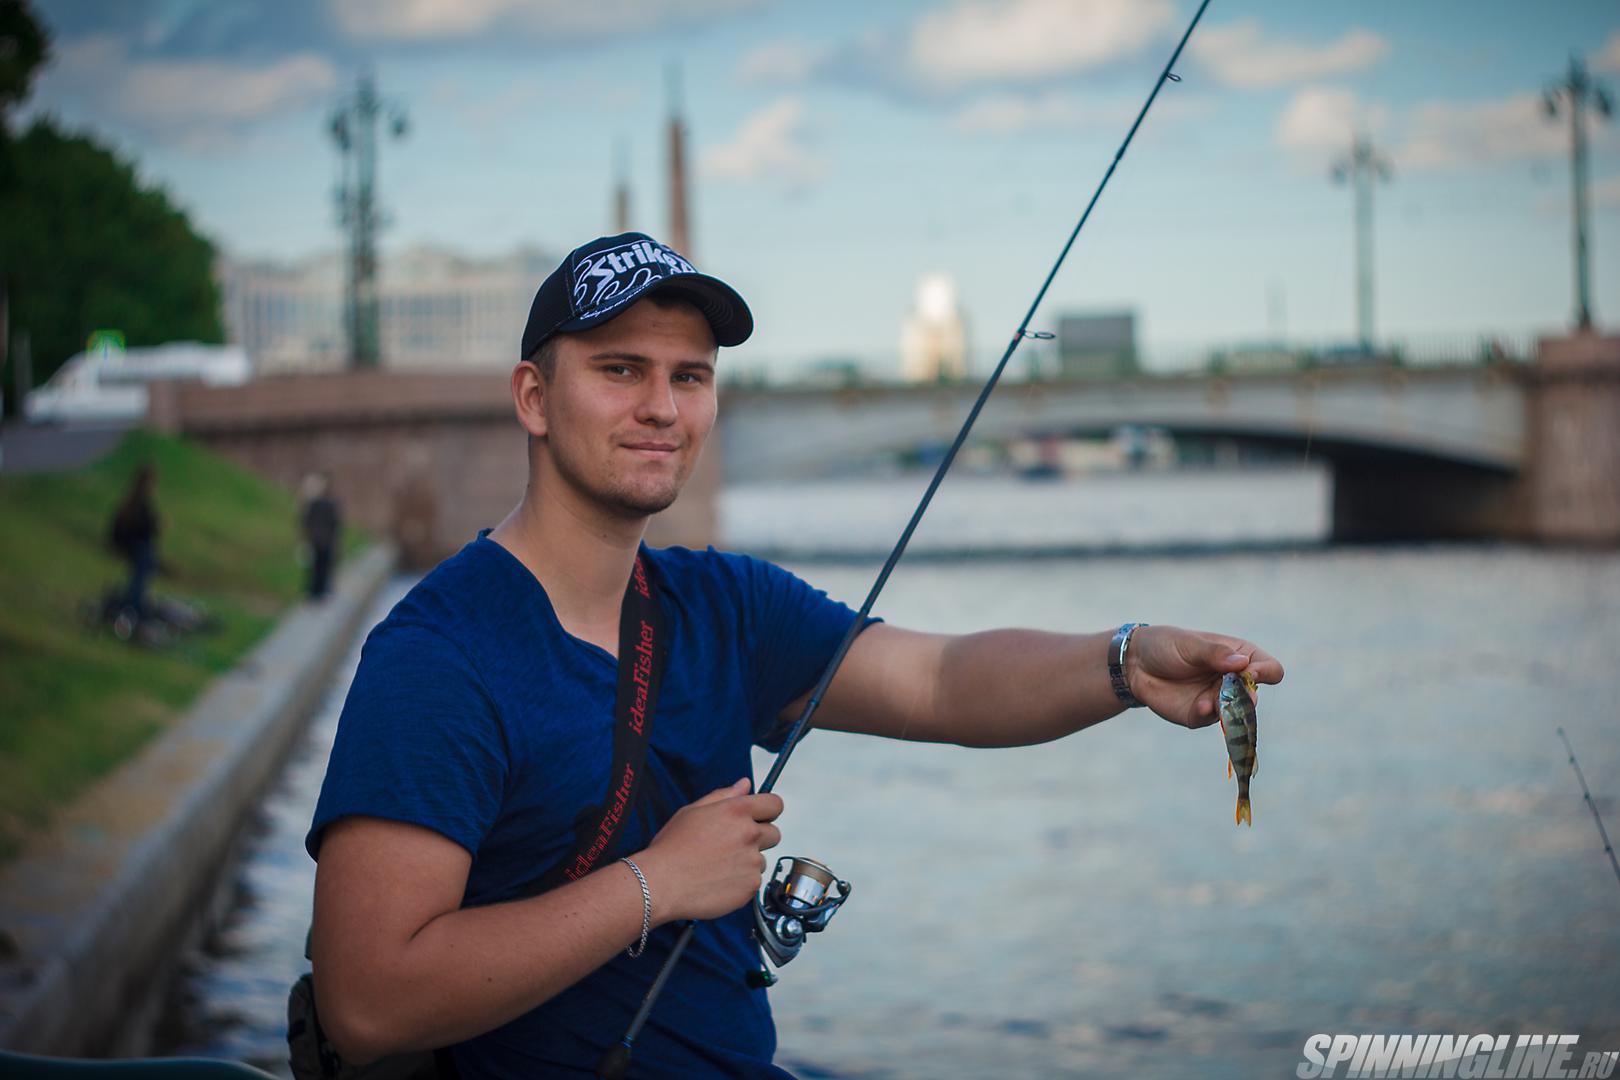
(440, 310)
(287, 315)
(933, 339)
(1101, 344)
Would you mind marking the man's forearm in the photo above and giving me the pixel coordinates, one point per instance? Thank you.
(1018, 687)
(469, 971)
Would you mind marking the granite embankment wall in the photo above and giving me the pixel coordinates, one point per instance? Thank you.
(425, 459)
(96, 912)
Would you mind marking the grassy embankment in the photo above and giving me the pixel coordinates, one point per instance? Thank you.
(75, 701)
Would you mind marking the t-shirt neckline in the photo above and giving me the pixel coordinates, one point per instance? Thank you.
(516, 564)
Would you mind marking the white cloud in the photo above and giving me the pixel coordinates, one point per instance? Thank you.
(980, 41)
(1319, 122)
(1603, 195)
(199, 103)
(205, 90)
(1061, 110)
(773, 144)
(1241, 56)
(1608, 57)
(491, 112)
(968, 47)
(781, 62)
(1007, 113)
(427, 20)
(1443, 135)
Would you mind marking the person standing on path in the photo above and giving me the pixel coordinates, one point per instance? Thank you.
(133, 535)
(323, 524)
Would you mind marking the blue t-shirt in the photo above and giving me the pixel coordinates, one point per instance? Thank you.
(475, 714)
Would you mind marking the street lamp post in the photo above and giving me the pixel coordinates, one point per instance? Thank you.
(1361, 168)
(353, 126)
(1579, 90)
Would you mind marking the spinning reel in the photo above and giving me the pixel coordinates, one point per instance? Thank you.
(795, 903)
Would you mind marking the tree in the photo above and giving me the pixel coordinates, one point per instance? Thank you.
(87, 246)
(84, 244)
(24, 49)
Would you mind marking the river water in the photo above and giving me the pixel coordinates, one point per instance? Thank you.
(1421, 858)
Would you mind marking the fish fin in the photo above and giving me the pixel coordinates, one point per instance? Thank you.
(1243, 816)
(1229, 768)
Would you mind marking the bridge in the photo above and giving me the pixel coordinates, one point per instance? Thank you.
(1506, 450)
(1470, 415)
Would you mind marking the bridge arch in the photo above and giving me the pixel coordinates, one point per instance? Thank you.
(1473, 416)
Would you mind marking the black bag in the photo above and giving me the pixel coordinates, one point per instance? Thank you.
(312, 1057)
(643, 644)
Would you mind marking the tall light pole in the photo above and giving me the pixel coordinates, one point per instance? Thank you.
(1578, 89)
(1361, 168)
(353, 127)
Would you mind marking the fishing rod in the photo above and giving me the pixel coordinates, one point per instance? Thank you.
(1607, 846)
(801, 899)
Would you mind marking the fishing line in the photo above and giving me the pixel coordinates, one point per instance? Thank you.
(617, 1059)
(1592, 805)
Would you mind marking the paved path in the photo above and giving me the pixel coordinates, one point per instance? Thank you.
(34, 448)
(99, 907)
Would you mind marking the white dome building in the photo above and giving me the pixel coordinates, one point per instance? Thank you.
(933, 339)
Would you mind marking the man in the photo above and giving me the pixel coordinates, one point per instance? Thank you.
(479, 728)
(323, 524)
(133, 535)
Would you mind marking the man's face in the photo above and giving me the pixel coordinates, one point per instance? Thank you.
(629, 406)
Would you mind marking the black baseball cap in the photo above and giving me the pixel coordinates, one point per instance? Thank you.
(599, 280)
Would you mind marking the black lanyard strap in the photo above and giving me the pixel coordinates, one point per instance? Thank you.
(643, 647)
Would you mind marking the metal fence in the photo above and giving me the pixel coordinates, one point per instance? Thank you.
(1039, 359)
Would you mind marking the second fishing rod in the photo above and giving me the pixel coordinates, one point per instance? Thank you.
(803, 894)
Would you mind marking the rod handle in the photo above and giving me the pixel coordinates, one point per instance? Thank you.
(614, 1063)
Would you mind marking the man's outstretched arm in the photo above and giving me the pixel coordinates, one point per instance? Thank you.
(1017, 687)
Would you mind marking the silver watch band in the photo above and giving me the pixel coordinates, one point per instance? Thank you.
(1116, 664)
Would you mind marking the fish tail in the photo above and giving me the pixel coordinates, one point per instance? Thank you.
(1243, 816)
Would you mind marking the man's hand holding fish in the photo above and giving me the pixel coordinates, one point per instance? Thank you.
(1177, 673)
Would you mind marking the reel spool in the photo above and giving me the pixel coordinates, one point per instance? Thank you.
(795, 903)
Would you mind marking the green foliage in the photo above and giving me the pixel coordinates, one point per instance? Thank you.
(86, 246)
(24, 49)
(77, 701)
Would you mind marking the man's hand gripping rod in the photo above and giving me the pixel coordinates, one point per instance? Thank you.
(616, 1060)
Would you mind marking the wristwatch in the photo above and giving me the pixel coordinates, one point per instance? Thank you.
(1116, 664)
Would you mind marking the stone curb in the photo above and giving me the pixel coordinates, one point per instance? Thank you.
(95, 912)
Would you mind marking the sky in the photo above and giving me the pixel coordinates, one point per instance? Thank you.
(842, 150)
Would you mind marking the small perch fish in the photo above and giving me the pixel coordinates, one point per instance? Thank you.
(1241, 726)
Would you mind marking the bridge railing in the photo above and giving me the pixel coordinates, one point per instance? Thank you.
(1041, 360)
